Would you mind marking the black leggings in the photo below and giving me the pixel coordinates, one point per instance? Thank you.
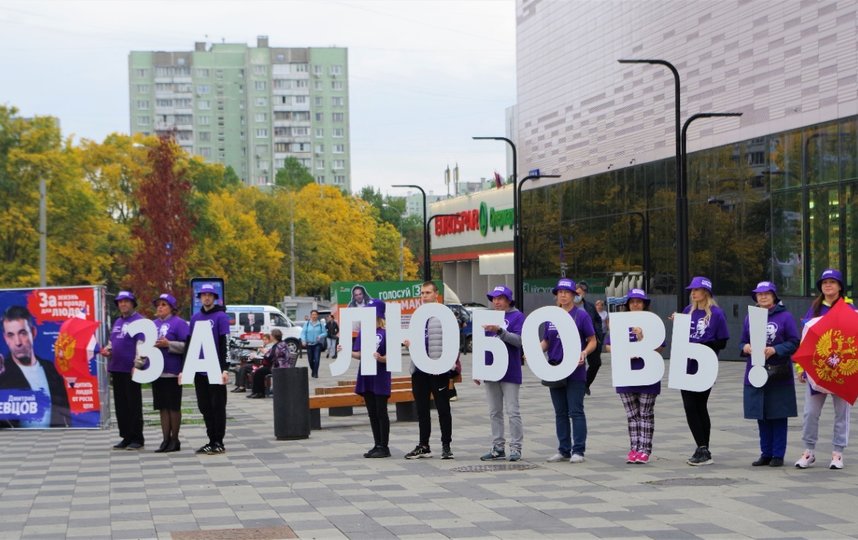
(376, 407)
(697, 415)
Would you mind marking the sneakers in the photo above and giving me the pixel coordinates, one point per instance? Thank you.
(701, 457)
(217, 448)
(642, 458)
(557, 458)
(378, 452)
(836, 460)
(205, 449)
(419, 452)
(446, 453)
(576, 458)
(514, 455)
(496, 453)
(806, 460)
(632, 457)
(454, 398)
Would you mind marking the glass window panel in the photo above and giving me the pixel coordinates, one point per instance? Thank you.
(786, 263)
(850, 233)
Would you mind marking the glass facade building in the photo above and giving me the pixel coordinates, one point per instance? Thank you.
(781, 207)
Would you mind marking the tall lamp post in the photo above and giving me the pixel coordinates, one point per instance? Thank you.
(427, 263)
(518, 275)
(682, 202)
(681, 258)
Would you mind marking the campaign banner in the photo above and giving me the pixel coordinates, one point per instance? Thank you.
(49, 373)
(405, 293)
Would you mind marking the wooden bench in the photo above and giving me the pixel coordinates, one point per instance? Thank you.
(340, 400)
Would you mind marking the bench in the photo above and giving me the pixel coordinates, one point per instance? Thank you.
(340, 400)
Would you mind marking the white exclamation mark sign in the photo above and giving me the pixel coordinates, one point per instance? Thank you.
(757, 320)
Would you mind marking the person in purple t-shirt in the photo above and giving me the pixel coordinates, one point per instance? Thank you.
(127, 394)
(831, 291)
(211, 398)
(774, 402)
(708, 327)
(173, 332)
(375, 389)
(503, 394)
(638, 401)
(567, 395)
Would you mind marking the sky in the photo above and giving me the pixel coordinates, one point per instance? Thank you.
(424, 76)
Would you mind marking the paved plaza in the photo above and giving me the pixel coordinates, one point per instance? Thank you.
(71, 484)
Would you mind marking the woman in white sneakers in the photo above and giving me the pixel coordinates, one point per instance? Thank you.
(830, 285)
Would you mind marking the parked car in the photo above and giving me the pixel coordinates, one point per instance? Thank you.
(465, 315)
(249, 322)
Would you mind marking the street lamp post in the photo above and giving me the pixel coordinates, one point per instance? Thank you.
(43, 232)
(517, 255)
(427, 263)
(682, 203)
(681, 258)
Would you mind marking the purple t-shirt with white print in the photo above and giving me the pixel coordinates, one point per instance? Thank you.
(380, 383)
(123, 346)
(513, 320)
(555, 346)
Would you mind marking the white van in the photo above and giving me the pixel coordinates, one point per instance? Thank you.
(251, 321)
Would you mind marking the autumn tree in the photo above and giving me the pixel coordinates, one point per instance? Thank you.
(293, 175)
(162, 235)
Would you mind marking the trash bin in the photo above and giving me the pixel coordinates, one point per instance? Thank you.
(291, 403)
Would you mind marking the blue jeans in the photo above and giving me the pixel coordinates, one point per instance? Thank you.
(569, 404)
(314, 351)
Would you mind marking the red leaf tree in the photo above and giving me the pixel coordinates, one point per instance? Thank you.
(162, 234)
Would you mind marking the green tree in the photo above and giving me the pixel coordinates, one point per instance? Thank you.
(293, 175)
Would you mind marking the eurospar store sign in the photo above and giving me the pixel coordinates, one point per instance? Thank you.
(481, 218)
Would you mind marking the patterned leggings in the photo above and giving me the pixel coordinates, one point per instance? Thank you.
(641, 416)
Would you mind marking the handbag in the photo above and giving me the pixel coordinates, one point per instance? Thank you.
(779, 372)
(555, 384)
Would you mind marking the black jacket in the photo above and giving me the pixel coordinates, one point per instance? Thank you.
(14, 378)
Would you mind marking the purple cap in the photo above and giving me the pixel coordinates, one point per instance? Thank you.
(565, 284)
(380, 307)
(830, 273)
(639, 294)
(700, 282)
(125, 295)
(501, 290)
(166, 298)
(208, 288)
(765, 286)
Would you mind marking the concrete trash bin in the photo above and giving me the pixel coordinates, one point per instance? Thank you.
(291, 403)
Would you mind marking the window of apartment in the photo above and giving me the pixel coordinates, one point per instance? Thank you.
(282, 132)
(203, 72)
(205, 151)
(163, 102)
(262, 133)
(142, 88)
(183, 88)
(320, 179)
(318, 85)
(204, 104)
(204, 120)
(180, 61)
(280, 146)
(184, 136)
(260, 70)
(320, 164)
(279, 163)
(318, 101)
(260, 117)
(339, 133)
(163, 87)
(204, 136)
(300, 131)
(203, 89)
(320, 117)
(305, 162)
(339, 164)
(182, 103)
(141, 72)
(300, 68)
(300, 147)
(320, 133)
(184, 119)
(337, 85)
(282, 84)
(219, 74)
(318, 70)
(339, 179)
(338, 117)
(339, 149)
(337, 101)
(336, 70)
(301, 116)
(259, 85)
(302, 83)
(320, 149)
(143, 120)
(142, 104)
(262, 101)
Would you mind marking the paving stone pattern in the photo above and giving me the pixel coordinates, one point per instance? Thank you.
(71, 484)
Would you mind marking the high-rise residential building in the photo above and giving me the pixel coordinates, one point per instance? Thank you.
(250, 108)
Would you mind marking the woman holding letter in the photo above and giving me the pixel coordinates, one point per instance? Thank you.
(774, 402)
